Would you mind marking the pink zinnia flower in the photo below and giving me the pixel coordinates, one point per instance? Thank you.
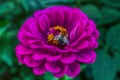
(56, 40)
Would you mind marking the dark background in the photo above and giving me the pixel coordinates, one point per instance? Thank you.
(106, 14)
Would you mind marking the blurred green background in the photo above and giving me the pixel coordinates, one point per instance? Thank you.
(106, 14)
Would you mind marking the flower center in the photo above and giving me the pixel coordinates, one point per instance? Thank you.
(58, 36)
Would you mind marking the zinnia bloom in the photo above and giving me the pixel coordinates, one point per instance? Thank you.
(57, 40)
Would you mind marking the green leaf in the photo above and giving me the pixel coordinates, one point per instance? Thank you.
(6, 55)
(113, 37)
(3, 69)
(102, 33)
(25, 5)
(104, 67)
(68, 78)
(83, 67)
(3, 22)
(12, 35)
(113, 3)
(49, 76)
(6, 7)
(26, 73)
(3, 28)
(57, 2)
(116, 60)
(2, 31)
(15, 78)
(13, 70)
(92, 11)
(109, 14)
(31, 5)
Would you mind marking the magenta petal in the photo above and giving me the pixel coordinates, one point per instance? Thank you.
(78, 15)
(53, 67)
(23, 50)
(83, 45)
(73, 69)
(39, 56)
(22, 35)
(53, 57)
(20, 59)
(35, 30)
(62, 71)
(33, 41)
(78, 29)
(37, 45)
(39, 70)
(96, 33)
(68, 15)
(44, 23)
(29, 34)
(95, 45)
(82, 36)
(29, 62)
(90, 27)
(37, 13)
(74, 31)
(88, 56)
(67, 59)
(57, 16)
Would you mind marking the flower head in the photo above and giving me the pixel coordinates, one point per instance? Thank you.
(56, 40)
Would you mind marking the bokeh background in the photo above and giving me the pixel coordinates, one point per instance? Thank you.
(106, 14)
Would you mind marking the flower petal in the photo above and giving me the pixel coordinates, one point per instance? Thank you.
(62, 72)
(37, 45)
(92, 41)
(78, 14)
(44, 23)
(39, 56)
(38, 13)
(29, 62)
(53, 57)
(39, 70)
(68, 15)
(90, 27)
(23, 50)
(57, 16)
(82, 45)
(78, 28)
(95, 45)
(67, 59)
(53, 67)
(87, 56)
(20, 59)
(41, 12)
(96, 33)
(73, 69)
(35, 30)
(22, 35)
(29, 31)
(34, 41)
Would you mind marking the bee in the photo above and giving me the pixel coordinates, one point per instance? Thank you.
(62, 39)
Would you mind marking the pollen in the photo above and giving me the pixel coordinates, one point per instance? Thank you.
(58, 36)
(50, 37)
(55, 42)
